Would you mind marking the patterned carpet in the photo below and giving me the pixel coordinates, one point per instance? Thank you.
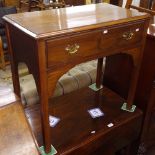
(27, 84)
(78, 77)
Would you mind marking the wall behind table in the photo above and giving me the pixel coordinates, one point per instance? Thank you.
(11, 2)
(16, 2)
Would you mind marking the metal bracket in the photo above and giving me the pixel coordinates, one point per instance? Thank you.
(53, 151)
(93, 87)
(124, 107)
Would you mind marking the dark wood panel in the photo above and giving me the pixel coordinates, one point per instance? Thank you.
(147, 74)
(115, 78)
(25, 50)
(75, 2)
(114, 2)
(117, 73)
(72, 135)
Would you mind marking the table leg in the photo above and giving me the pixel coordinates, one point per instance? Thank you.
(99, 73)
(14, 66)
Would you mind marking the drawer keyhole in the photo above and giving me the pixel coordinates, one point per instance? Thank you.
(71, 49)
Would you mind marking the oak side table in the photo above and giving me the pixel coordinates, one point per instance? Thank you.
(53, 41)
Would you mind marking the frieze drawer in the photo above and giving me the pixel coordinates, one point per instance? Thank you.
(72, 48)
(121, 37)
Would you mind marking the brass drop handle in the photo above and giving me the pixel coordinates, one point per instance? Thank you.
(71, 49)
(128, 35)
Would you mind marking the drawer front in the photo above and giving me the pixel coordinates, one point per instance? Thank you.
(76, 48)
(72, 48)
(121, 37)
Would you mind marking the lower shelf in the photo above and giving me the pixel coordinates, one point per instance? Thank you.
(77, 132)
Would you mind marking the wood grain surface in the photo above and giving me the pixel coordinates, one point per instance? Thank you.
(59, 21)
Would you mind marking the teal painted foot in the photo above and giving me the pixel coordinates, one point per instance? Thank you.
(93, 87)
(42, 151)
(124, 107)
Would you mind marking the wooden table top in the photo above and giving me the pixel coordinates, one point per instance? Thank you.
(46, 23)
